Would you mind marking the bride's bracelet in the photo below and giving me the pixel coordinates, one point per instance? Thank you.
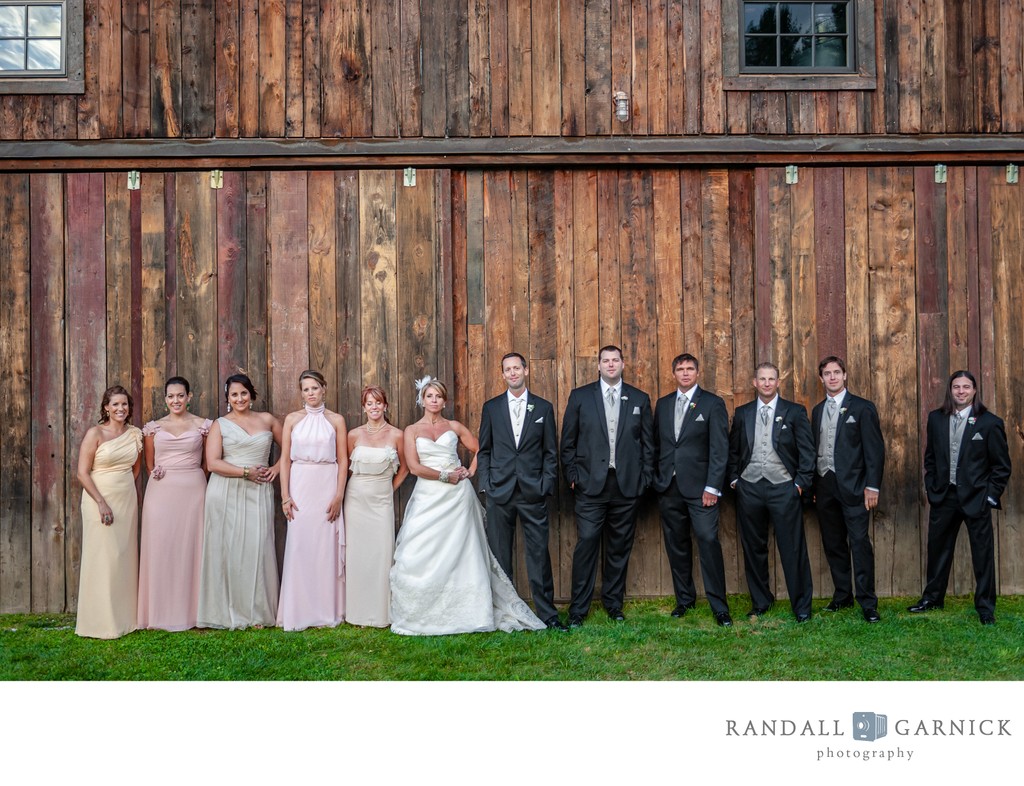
(443, 476)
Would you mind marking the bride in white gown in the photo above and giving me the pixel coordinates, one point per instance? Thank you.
(445, 579)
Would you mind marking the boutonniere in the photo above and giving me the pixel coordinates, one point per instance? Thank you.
(971, 420)
(529, 407)
(693, 405)
(778, 419)
(842, 410)
(624, 398)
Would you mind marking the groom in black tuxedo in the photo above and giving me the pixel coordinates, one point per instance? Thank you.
(517, 465)
(608, 458)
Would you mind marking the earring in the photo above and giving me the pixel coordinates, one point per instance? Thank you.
(229, 407)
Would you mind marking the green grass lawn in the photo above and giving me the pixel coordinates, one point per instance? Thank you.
(945, 645)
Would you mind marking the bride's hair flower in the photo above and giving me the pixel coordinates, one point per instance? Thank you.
(420, 384)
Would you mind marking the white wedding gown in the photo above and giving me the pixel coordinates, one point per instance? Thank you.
(445, 579)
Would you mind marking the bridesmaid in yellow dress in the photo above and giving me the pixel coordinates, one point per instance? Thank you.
(377, 464)
(238, 585)
(108, 464)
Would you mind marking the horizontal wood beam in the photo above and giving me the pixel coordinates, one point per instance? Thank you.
(505, 152)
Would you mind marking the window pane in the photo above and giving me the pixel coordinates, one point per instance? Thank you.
(795, 18)
(830, 51)
(795, 51)
(830, 18)
(44, 55)
(12, 21)
(12, 55)
(44, 21)
(759, 18)
(760, 51)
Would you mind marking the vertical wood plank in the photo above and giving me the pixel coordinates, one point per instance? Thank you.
(249, 67)
(910, 65)
(86, 363)
(322, 223)
(256, 277)
(387, 67)
(585, 275)
(288, 288)
(459, 266)
(118, 281)
(692, 261)
(434, 96)
(712, 98)
(379, 328)
(497, 21)
(640, 101)
(830, 262)
(957, 254)
(272, 29)
(762, 267)
(226, 63)
(521, 70)
(48, 385)
(933, 67)
(16, 393)
(563, 534)
(657, 67)
(456, 72)
(197, 287)
(675, 66)
(499, 262)
(411, 115)
(622, 62)
(1011, 65)
(519, 295)
(231, 278)
(154, 326)
(311, 70)
(598, 67)
(294, 92)
(959, 82)
(198, 71)
(445, 282)
(544, 79)
(479, 69)
(166, 70)
(571, 48)
(105, 41)
(609, 295)
(135, 66)
(987, 110)
(349, 291)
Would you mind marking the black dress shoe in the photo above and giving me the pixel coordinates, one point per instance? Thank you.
(723, 619)
(801, 618)
(575, 621)
(681, 609)
(758, 611)
(839, 605)
(924, 605)
(616, 614)
(987, 619)
(871, 615)
(555, 624)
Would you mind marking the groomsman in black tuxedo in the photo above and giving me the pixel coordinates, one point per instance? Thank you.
(850, 458)
(607, 456)
(966, 469)
(691, 446)
(517, 465)
(771, 462)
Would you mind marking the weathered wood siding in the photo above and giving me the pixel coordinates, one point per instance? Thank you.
(372, 281)
(505, 68)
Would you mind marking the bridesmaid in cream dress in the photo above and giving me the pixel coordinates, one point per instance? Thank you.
(377, 464)
(108, 464)
(313, 456)
(238, 585)
(172, 513)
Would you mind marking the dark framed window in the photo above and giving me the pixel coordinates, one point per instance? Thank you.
(798, 44)
(41, 46)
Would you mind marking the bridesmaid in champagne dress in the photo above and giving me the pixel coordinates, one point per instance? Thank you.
(238, 584)
(172, 514)
(377, 464)
(108, 464)
(313, 455)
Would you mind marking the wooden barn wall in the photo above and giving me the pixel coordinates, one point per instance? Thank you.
(372, 281)
(505, 68)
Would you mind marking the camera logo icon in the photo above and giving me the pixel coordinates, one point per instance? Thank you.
(869, 726)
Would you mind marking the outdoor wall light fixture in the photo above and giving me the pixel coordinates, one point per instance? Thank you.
(621, 106)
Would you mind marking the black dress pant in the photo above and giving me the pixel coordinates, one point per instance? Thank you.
(608, 518)
(759, 505)
(501, 533)
(680, 515)
(844, 534)
(944, 521)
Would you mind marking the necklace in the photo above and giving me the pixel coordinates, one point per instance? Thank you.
(371, 430)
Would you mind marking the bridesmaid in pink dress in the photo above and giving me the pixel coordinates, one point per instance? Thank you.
(172, 514)
(314, 463)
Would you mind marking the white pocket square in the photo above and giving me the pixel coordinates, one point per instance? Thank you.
(976, 436)
(539, 420)
(636, 410)
(851, 419)
(784, 427)
(699, 418)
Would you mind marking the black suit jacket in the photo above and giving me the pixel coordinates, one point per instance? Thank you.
(584, 446)
(983, 468)
(791, 438)
(700, 456)
(860, 449)
(500, 464)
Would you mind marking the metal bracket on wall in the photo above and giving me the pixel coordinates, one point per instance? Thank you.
(134, 180)
(792, 175)
(409, 177)
(216, 178)
(1012, 173)
(940, 173)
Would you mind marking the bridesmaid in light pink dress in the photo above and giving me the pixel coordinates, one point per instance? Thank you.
(314, 465)
(172, 514)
